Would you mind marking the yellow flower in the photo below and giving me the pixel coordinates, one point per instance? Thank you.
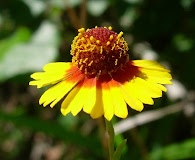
(101, 80)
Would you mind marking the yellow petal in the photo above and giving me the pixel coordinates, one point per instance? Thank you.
(97, 110)
(52, 93)
(140, 91)
(130, 98)
(54, 72)
(57, 92)
(57, 66)
(74, 101)
(90, 99)
(156, 76)
(151, 88)
(46, 75)
(161, 87)
(149, 64)
(107, 102)
(43, 79)
(120, 107)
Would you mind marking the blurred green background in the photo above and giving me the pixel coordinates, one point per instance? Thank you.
(35, 32)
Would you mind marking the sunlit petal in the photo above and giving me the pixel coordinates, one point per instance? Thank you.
(156, 76)
(98, 109)
(57, 92)
(91, 96)
(120, 107)
(149, 64)
(130, 98)
(138, 92)
(54, 72)
(57, 67)
(44, 79)
(74, 101)
(107, 101)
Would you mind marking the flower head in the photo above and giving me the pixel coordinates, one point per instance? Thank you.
(99, 51)
(101, 80)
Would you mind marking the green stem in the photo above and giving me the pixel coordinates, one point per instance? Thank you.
(111, 134)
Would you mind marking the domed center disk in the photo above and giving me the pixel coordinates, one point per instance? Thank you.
(99, 51)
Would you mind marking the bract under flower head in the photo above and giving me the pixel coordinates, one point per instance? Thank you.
(99, 51)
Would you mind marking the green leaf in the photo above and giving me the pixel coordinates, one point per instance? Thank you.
(119, 149)
(21, 35)
(19, 58)
(184, 150)
(183, 43)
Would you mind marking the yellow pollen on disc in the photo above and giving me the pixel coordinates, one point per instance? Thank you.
(110, 28)
(111, 37)
(116, 61)
(83, 39)
(98, 41)
(85, 60)
(108, 43)
(99, 51)
(81, 30)
(92, 39)
(120, 35)
(90, 63)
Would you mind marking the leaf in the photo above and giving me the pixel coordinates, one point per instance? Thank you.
(21, 57)
(183, 43)
(119, 149)
(21, 35)
(185, 150)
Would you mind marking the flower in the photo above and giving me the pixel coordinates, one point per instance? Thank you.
(101, 80)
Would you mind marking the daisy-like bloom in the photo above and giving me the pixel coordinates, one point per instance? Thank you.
(101, 80)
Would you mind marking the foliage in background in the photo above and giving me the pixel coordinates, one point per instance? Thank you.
(33, 33)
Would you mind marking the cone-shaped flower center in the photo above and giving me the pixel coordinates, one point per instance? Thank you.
(99, 51)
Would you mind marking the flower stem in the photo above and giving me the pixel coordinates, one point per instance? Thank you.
(110, 131)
